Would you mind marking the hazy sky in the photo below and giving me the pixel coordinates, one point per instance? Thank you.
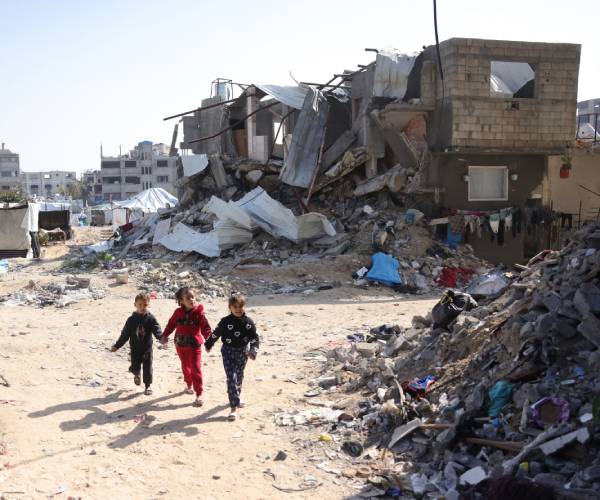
(77, 74)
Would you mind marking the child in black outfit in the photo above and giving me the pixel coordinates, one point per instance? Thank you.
(138, 329)
(240, 342)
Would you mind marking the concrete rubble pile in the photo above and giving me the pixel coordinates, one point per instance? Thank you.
(507, 394)
(257, 230)
(73, 290)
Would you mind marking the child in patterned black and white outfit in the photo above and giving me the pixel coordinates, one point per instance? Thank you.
(240, 342)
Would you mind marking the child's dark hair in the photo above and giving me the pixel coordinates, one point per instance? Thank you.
(237, 298)
(182, 292)
(143, 296)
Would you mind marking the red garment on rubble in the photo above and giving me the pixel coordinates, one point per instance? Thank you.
(451, 276)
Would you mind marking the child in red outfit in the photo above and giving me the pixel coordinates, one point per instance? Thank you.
(191, 330)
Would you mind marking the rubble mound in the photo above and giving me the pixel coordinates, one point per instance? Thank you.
(509, 393)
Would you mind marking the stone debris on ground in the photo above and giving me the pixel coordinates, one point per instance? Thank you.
(73, 289)
(361, 227)
(506, 396)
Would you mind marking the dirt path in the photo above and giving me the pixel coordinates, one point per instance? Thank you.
(74, 425)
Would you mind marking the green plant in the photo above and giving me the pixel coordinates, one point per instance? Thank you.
(13, 196)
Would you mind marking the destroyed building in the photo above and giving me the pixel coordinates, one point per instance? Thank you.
(464, 132)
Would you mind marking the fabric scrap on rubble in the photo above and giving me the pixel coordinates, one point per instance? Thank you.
(500, 395)
(419, 386)
(450, 277)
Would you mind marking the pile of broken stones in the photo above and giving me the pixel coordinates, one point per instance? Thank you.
(507, 399)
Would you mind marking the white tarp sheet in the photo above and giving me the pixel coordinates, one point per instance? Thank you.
(231, 211)
(13, 236)
(185, 239)
(101, 247)
(32, 216)
(238, 220)
(54, 206)
(507, 77)
(119, 217)
(149, 201)
(194, 164)
(276, 219)
(292, 96)
(391, 73)
(162, 229)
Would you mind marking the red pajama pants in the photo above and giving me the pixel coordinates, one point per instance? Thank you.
(191, 366)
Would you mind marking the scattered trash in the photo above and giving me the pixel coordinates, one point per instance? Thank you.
(500, 395)
(281, 456)
(418, 387)
(353, 448)
(315, 416)
(550, 411)
(450, 306)
(491, 284)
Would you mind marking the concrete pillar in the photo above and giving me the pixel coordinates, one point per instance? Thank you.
(251, 105)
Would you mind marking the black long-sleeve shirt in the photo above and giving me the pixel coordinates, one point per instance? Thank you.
(235, 332)
(139, 329)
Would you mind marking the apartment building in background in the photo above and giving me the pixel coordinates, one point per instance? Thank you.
(10, 179)
(48, 184)
(92, 179)
(147, 165)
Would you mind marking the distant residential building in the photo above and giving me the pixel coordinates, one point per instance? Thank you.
(93, 180)
(48, 184)
(147, 165)
(588, 120)
(10, 179)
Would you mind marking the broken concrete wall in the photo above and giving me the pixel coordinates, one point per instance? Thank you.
(368, 133)
(469, 117)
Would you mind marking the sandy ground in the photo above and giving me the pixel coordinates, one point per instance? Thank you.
(72, 423)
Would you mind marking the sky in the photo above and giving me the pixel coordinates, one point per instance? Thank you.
(75, 75)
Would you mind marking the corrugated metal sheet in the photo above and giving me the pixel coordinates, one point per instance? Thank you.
(292, 96)
(301, 162)
(391, 73)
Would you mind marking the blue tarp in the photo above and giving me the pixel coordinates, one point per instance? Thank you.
(384, 269)
(454, 239)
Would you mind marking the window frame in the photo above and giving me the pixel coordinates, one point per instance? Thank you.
(488, 168)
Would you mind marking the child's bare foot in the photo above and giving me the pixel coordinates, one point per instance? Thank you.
(232, 416)
(189, 390)
(198, 403)
(148, 391)
(137, 380)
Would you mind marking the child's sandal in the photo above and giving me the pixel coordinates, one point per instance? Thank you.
(148, 391)
(137, 380)
(198, 403)
(232, 416)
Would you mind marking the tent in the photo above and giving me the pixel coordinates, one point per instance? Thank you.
(149, 201)
(16, 220)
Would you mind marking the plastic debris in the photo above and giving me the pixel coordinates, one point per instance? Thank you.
(550, 411)
(500, 395)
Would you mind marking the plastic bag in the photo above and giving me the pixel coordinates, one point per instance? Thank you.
(450, 306)
(499, 394)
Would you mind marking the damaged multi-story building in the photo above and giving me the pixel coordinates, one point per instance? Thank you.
(464, 131)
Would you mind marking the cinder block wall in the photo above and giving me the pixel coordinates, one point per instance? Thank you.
(472, 118)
